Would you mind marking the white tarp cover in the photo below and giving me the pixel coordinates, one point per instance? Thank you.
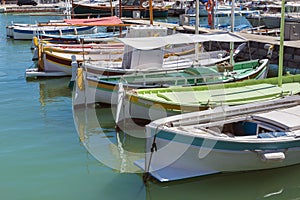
(148, 43)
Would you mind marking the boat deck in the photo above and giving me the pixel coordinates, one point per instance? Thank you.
(232, 96)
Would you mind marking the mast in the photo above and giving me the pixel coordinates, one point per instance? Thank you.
(281, 47)
(120, 9)
(197, 31)
(120, 15)
(69, 9)
(232, 30)
(213, 14)
(151, 12)
(111, 8)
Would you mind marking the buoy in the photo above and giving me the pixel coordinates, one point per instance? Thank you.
(74, 65)
(209, 5)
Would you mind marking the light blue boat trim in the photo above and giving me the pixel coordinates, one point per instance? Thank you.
(95, 35)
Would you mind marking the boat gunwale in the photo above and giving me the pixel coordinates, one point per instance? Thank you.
(273, 81)
(165, 124)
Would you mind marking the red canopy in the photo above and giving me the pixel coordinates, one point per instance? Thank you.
(113, 20)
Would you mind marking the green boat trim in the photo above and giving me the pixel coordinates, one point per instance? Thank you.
(273, 81)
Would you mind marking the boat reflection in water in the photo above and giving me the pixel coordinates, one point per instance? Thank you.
(281, 183)
(115, 149)
(53, 89)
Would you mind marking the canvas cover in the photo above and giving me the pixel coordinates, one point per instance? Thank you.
(103, 21)
(289, 118)
(148, 43)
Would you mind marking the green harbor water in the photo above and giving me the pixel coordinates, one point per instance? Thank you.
(45, 156)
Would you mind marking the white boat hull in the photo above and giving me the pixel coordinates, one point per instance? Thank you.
(255, 136)
(50, 66)
(191, 163)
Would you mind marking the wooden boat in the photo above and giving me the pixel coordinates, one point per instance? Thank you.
(106, 88)
(151, 104)
(93, 37)
(75, 39)
(168, 53)
(28, 31)
(82, 48)
(58, 58)
(262, 31)
(255, 136)
(270, 15)
(60, 64)
(133, 9)
(59, 27)
(53, 62)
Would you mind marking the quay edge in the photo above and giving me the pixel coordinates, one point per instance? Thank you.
(14, 8)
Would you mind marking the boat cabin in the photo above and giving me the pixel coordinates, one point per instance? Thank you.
(134, 58)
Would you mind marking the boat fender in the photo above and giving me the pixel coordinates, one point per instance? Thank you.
(74, 65)
(40, 58)
(273, 156)
(75, 31)
(35, 41)
(209, 5)
(80, 79)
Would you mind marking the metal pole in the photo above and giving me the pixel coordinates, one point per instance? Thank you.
(120, 9)
(232, 15)
(213, 15)
(111, 8)
(197, 17)
(120, 14)
(281, 47)
(232, 30)
(72, 11)
(151, 12)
